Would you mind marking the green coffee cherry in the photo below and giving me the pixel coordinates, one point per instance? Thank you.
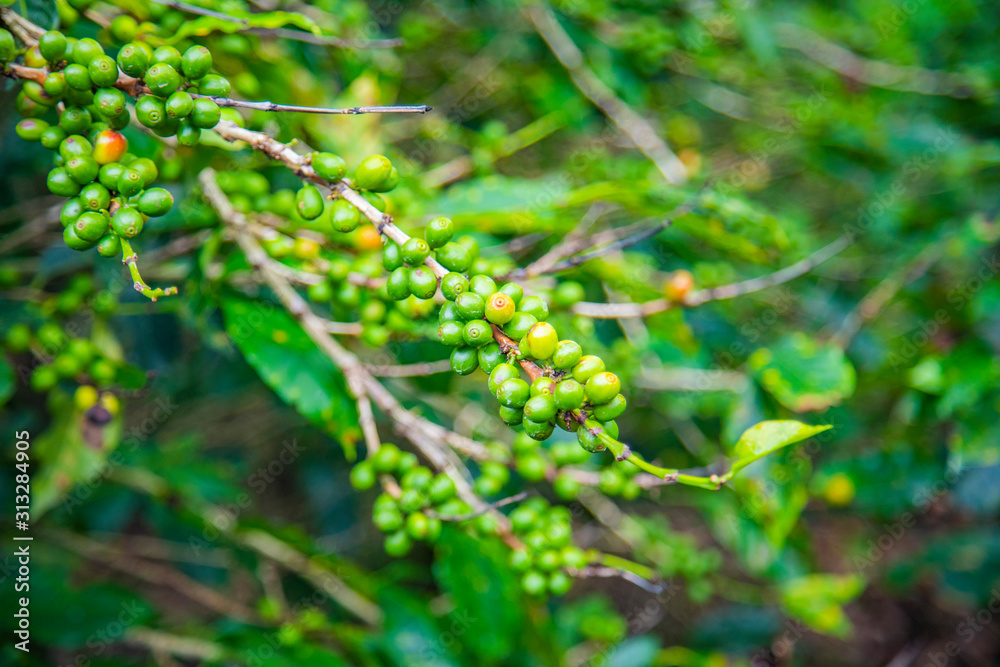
(532, 467)
(500, 374)
(589, 441)
(123, 28)
(482, 285)
(196, 62)
(538, 431)
(214, 85)
(386, 458)
(146, 168)
(103, 71)
(568, 353)
(398, 544)
(309, 202)
(559, 583)
(329, 166)
(162, 79)
(470, 306)
(52, 46)
(398, 284)
(155, 202)
(587, 367)
(602, 387)
(450, 333)
(8, 47)
(94, 197)
(91, 226)
(109, 174)
(85, 50)
(31, 129)
(74, 146)
(167, 55)
(60, 183)
(535, 306)
(392, 258)
(133, 59)
(75, 120)
(490, 356)
(422, 283)
(71, 210)
(373, 172)
(453, 284)
(127, 222)
(513, 393)
(83, 169)
(130, 182)
(110, 102)
(415, 251)
(454, 257)
(109, 246)
(464, 360)
(540, 341)
(477, 333)
(179, 105)
(540, 408)
(206, 114)
(75, 242)
(440, 489)
(519, 325)
(511, 416)
(569, 394)
(439, 232)
(343, 216)
(610, 410)
(150, 111)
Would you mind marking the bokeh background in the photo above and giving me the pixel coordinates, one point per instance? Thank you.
(214, 522)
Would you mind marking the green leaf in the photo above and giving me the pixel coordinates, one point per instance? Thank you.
(817, 600)
(476, 575)
(760, 440)
(7, 381)
(289, 362)
(206, 25)
(804, 374)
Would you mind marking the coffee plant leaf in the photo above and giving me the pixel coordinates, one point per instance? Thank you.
(804, 374)
(286, 359)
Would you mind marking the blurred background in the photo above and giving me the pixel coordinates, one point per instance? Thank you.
(211, 521)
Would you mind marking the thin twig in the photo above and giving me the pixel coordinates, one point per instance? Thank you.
(628, 121)
(699, 297)
(410, 370)
(326, 40)
(871, 72)
(510, 500)
(605, 572)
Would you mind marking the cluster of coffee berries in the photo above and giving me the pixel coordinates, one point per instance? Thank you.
(413, 515)
(109, 189)
(546, 532)
(60, 357)
(495, 329)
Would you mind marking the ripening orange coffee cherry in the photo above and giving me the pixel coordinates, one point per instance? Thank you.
(109, 146)
(678, 285)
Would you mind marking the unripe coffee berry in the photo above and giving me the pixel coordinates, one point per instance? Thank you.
(511, 416)
(398, 284)
(167, 55)
(513, 393)
(454, 257)
(569, 394)
(470, 306)
(490, 357)
(439, 232)
(127, 222)
(179, 105)
(602, 387)
(196, 62)
(155, 202)
(540, 408)
(52, 45)
(309, 202)
(464, 360)
(477, 333)
(514, 291)
(610, 410)
(587, 367)
(422, 283)
(329, 166)
(103, 71)
(589, 441)
(343, 215)
(535, 306)
(499, 308)
(500, 374)
(133, 59)
(415, 251)
(363, 475)
(162, 79)
(519, 325)
(91, 226)
(540, 341)
(453, 284)
(206, 114)
(373, 172)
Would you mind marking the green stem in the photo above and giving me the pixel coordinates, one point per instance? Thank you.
(619, 563)
(131, 260)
